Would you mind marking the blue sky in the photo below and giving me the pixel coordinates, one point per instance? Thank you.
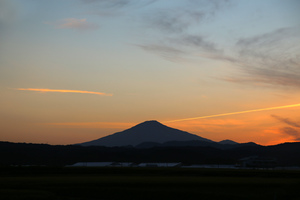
(161, 59)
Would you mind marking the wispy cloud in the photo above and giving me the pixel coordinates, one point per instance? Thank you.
(181, 19)
(196, 44)
(291, 130)
(178, 28)
(182, 47)
(63, 91)
(168, 52)
(174, 32)
(171, 21)
(236, 113)
(118, 3)
(197, 41)
(272, 58)
(164, 49)
(75, 24)
(287, 121)
(172, 28)
(114, 8)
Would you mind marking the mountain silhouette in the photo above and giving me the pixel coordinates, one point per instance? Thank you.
(192, 143)
(148, 131)
(228, 142)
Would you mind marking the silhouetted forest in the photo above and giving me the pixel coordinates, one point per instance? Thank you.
(287, 154)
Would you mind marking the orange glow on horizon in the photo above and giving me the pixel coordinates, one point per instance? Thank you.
(260, 128)
(100, 125)
(63, 91)
(235, 113)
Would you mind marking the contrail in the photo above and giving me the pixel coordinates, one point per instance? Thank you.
(63, 91)
(235, 113)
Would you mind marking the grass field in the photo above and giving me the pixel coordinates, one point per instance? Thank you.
(146, 183)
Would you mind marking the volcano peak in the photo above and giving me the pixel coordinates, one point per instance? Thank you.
(147, 131)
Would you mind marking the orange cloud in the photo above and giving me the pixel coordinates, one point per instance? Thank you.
(278, 137)
(63, 91)
(261, 129)
(235, 113)
(73, 23)
(206, 124)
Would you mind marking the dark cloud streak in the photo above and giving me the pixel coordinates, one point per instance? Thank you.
(286, 121)
(167, 52)
(180, 20)
(118, 3)
(174, 21)
(272, 58)
(174, 26)
(182, 47)
(198, 41)
(291, 132)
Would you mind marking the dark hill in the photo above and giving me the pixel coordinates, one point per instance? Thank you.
(228, 142)
(148, 131)
(287, 154)
(193, 143)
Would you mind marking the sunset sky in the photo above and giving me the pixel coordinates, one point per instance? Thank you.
(72, 71)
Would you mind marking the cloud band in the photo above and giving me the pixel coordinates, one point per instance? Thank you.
(235, 113)
(63, 91)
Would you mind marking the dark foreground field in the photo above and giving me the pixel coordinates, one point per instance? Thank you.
(32, 183)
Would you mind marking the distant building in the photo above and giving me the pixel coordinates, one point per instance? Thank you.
(123, 164)
(91, 164)
(257, 162)
(159, 165)
(212, 166)
(101, 164)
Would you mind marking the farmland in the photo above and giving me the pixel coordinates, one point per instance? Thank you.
(22, 183)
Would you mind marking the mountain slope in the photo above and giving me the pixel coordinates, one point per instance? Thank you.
(148, 131)
(228, 142)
